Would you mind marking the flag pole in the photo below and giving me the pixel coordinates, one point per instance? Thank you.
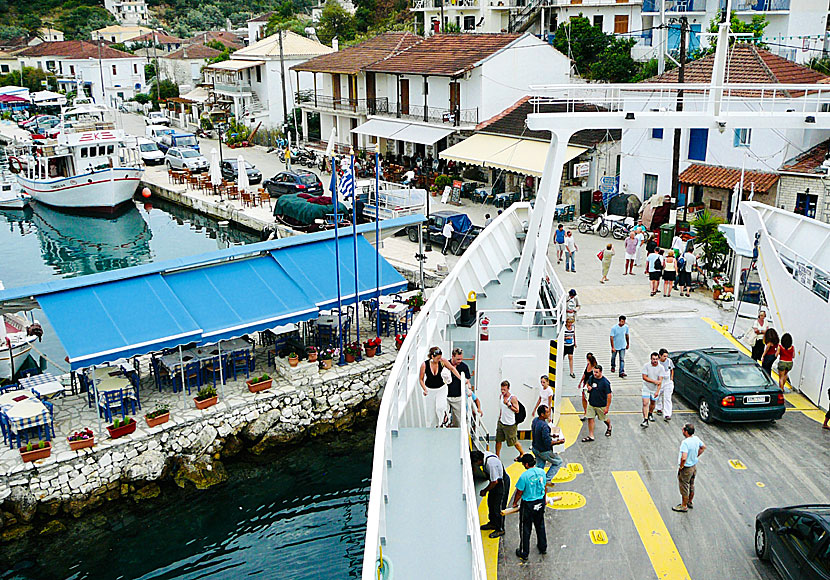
(354, 240)
(333, 185)
(377, 237)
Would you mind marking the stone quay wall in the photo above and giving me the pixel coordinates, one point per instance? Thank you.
(303, 401)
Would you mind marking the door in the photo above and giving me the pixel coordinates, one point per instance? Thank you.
(698, 385)
(354, 135)
(698, 139)
(370, 93)
(682, 370)
(404, 93)
(621, 24)
(795, 541)
(335, 89)
(352, 91)
(813, 369)
(455, 97)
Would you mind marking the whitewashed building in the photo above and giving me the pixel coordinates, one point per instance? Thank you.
(118, 33)
(256, 27)
(128, 11)
(184, 66)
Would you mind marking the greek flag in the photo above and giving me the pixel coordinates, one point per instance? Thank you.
(345, 185)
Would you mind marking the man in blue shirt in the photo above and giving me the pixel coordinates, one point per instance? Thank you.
(690, 451)
(559, 238)
(530, 490)
(543, 444)
(619, 344)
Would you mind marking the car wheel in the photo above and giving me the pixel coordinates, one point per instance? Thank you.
(761, 549)
(454, 246)
(704, 410)
(583, 228)
(413, 234)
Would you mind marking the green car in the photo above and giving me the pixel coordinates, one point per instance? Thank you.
(726, 385)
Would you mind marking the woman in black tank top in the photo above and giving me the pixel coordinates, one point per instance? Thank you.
(431, 370)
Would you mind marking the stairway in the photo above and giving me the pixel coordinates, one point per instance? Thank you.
(426, 533)
(525, 17)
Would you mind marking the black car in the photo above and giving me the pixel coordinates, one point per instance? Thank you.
(230, 168)
(796, 539)
(299, 181)
(727, 385)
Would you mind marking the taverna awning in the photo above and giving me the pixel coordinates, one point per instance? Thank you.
(207, 298)
(525, 156)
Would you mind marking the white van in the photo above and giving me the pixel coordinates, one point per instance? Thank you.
(155, 132)
(149, 151)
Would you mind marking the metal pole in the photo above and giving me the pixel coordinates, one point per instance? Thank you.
(675, 165)
(101, 70)
(95, 399)
(342, 360)
(421, 257)
(221, 370)
(282, 82)
(181, 371)
(354, 243)
(377, 234)
(661, 50)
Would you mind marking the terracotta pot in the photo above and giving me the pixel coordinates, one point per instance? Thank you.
(326, 363)
(293, 361)
(370, 351)
(117, 432)
(36, 453)
(729, 289)
(716, 293)
(349, 358)
(312, 357)
(81, 443)
(205, 403)
(257, 387)
(156, 421)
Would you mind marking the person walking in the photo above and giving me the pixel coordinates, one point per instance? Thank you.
(669, 273)
(686, 266)
(530, 491)
(570, 251)
(607, 255)
(619, 344)
(654, 269)
(755, 335)
(640, 235)
(434, 387)
(572, 305)
(487, 220)
(447, 232)
(507, 430)
(545, 394)
(455, 388)
(599, 399)
(570, 344)
(287, 157)
(771, 342)
(559, 239)
(678, 245)
(496, 490)
(786, 354)
(690, 451)
(664, 403)
(542, 445)
(585, 382)
(653, 376)
(631, 245)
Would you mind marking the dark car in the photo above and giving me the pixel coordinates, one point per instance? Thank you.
(464, 232)
(299, 181)
(727, 385)
(230, 167)
(796, 539)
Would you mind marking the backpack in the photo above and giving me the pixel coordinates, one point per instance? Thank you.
(522, 414)
(681, 263)
(658, 263)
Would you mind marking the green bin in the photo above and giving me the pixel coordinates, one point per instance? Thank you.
(666, 235)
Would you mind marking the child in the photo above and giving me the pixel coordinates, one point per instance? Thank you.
(472, 394)
(545, 394)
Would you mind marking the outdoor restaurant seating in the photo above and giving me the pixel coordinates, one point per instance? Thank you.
(240, 361)
(109, 401)
(23, 417)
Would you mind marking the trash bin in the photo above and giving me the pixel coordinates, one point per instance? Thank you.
(666, 235)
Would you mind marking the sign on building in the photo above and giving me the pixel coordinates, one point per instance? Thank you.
(582, 169)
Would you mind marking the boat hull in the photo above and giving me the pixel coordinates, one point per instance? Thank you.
(103, 192)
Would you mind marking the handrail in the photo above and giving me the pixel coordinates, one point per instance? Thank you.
(820, 281)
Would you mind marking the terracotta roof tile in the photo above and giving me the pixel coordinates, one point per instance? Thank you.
(193, 51)
(810, 160)
(229, 39)
(74, 49)
(262, 17)
(727, 177)
(444, 54)
(160, 37)
(355, 58)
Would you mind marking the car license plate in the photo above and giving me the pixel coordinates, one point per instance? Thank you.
(756, 399)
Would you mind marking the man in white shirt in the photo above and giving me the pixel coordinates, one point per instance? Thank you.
(408, 177)
(664, 404)
(685, 273)
(570, 251)
(641, 247)
(447, 233)
(653, 377)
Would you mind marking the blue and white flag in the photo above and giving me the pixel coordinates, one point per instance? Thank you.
(345, 185)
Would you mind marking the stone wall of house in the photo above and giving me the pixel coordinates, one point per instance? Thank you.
(189, 448)
(723, 196)
(789, 186)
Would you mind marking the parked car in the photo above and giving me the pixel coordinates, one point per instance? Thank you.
(25, 123)
(156, 118)
(796, 539)
(464, 232)
(177, 139)
(185, 158)
(230, 168)
(149, 151)
(42, 125)
(155, 132)
(727, 385)
(298, 181)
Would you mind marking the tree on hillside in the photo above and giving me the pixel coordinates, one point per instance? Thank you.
(366, 14)
(285, 18)
(578, 39)
(335, 22)
(615, 64)
(79, 22)
(31, 78)
(11, 32)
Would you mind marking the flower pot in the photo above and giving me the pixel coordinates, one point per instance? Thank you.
(205, 403)
(729, 289)
(293, 361)
(156, 421)
(257, 387)
(716, 293)
(312, 357)
(349, 358)
(326, 363)
(370, 351)
(116, 432)
(36, 453)
(81, 443)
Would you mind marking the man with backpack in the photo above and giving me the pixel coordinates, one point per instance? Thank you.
(654, 267)
(511, 413)
(686, 265)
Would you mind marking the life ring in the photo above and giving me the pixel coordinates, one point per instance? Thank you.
(12, 161)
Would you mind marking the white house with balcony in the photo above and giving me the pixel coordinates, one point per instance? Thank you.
(250, 83)
(416, 96)
(72, 61)
(184, 66)
(128, 11)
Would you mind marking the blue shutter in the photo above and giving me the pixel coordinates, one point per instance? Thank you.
(697, 144)
(736, 138)
(657, 133)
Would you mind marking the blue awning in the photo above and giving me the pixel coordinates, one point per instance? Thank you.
(239, 297)
(109, 321)
(311, 267)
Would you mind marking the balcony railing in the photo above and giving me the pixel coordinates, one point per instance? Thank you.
(673, 6)
(426, 4)
(453, 117)
(239, 88)
(758, 5)
(377, 106)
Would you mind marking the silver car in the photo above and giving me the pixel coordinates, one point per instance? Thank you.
(185, 158)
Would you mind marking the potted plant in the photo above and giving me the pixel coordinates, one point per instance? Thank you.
(159, 415)
(371, 346)
(293, 359)
(352, 351)
(206, 397)
(311, 351)
(34, 451)
(121, 427)
(415, 302)
(258, 384)
(716, 290)
(399, 338)
(325, 358)
(81, 439)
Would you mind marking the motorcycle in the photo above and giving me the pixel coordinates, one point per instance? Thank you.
(203, 134)
(593, 223)
(621, 229)
(305, 157)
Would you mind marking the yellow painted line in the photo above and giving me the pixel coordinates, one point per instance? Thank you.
(598, 536)
(737, 464)
(760, 484)
(661, 550)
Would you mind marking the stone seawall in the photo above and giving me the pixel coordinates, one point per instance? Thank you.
(189, 448)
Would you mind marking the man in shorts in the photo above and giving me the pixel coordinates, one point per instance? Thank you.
(599, 401)
(631, 245)
(654, 268)
(559, 238)
(664, 404)
(653, 376)
(686, 270)
(507, 431)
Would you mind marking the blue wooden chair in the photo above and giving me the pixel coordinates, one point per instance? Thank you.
(108, 401)
(239, 362)
(10, 388)
(192, 376)
(212, 368)
(5, 428)
(51, 408)
(160, 373)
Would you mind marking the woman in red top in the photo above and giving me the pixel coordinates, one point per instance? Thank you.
(786, 352)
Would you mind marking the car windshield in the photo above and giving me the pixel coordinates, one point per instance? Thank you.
(743, 376)
(149, 147)
(308, 179)
(186, 141)
(187, 153)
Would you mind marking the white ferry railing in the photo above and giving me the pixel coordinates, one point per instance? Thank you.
(400, 407)
(806, 272)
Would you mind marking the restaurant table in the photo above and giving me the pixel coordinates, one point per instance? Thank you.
(28, 413)
(45, 385)
(13, 397)
(200, 354)
(105, 384)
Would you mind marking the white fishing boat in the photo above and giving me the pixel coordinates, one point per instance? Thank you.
(86, 168)
(12, 195)
(16, 338)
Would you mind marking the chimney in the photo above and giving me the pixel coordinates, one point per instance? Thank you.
(335, 44)
(184, 52)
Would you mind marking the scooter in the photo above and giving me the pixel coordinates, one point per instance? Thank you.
(621, 229)
(305, 157)
(593, 223)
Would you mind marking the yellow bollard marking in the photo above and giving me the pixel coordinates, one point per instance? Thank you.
(760, 484)
(576, 468)
(737, 464)
(598, 536)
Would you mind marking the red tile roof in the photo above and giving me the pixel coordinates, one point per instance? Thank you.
(727, 177)
(160, 38)
(193, 51)
(355, 58)
(74, 49)
(444, 54)
(810, 160)
(229, 39)
(262, 17)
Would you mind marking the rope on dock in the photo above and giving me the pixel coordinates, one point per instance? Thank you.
(50, 361)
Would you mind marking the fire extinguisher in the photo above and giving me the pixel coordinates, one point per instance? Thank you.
(485, 330)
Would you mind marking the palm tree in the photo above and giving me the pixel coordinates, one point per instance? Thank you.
(715, 246)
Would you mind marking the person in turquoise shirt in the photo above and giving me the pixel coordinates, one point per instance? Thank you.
(530, 490)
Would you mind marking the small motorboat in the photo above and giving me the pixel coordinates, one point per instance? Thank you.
(12, 195)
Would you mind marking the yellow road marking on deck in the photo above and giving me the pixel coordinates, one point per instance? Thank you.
(661, 550)
(576, 468)
(598, 536)
(760, 484)
(737, 464)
